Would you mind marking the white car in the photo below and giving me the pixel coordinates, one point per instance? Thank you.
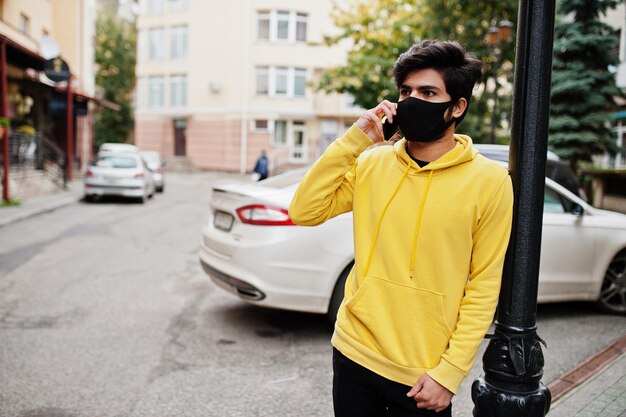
(117, 147)
(122, 174)
(251, 248)
(157, 168)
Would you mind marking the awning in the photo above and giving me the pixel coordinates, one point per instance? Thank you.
(22, 57)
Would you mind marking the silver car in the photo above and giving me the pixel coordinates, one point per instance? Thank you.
(157, 167)
(119, 174)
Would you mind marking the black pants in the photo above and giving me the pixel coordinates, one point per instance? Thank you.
(359, 392)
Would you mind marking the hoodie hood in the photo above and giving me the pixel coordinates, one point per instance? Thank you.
(463, 151)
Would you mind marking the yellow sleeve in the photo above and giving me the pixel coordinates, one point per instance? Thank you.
(326, 190)
(482, 290)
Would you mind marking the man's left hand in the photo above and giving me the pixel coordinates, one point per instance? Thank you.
(429, 394)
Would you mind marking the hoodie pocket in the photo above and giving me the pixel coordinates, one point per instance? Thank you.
(402, 323)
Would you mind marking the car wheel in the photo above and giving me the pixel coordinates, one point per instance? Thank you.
(160, 189)
(142, 199)
(337, 297)
(88, 198)
(613, 293)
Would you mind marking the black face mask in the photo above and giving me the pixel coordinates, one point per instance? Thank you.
(419, 120)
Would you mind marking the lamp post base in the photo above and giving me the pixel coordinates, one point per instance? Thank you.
(490, 401)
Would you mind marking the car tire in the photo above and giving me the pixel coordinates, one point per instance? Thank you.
(337, 296)
(142, 199)
(612, 298)
(160, 189)
(88, 198)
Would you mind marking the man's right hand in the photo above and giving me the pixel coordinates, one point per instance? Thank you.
(370, 122)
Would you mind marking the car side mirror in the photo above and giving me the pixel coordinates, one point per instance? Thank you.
(578, 210)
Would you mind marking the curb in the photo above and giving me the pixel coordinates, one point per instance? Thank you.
(49, 203)
(576, 377)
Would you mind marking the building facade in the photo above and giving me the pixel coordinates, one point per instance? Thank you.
(217, 82)
(35, 107)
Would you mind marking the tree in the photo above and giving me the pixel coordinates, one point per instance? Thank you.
(380, 30)
(583, 87)
(115, 55)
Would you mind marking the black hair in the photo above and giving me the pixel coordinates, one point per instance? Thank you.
(459, 69)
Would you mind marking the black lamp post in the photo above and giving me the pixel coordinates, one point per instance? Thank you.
(513, 361)
(497, 35)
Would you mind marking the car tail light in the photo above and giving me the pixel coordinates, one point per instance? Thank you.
(89, 173)
(139, 175)
(263, 215)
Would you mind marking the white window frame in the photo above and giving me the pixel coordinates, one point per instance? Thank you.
(261, 71)
(273, 72)
(303, 73)
(273, 133)
(291, 17)
(178, 90)
(161, 53)
(297, 126)
(291, 128)
(264, 15)
(179, 38)
(152, 80)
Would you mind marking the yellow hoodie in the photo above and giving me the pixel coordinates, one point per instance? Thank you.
(429, 247)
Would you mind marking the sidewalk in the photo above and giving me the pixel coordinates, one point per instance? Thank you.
(38, 205)
(594, 388)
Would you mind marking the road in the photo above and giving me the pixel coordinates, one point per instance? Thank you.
(105, 311)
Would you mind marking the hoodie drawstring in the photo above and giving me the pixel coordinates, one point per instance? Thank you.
(380, 220)
(419, 222)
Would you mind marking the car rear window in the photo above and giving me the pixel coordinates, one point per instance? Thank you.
(116, 162)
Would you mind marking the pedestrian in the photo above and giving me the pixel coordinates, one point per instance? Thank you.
(262, 166)
(432, 219)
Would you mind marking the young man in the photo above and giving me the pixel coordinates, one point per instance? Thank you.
(432, 220)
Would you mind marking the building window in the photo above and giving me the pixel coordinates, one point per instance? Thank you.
(156, 91)
(178, 90)
(281, 81)
(263, 25)
(301, 26)
(156, 6)
(156, 46)
(297, 146)
(177, 5)
(262, 81)
(299, 82)
(280, 132)
(282, 25)
(178, 42)
(24, 24)
(261, 125)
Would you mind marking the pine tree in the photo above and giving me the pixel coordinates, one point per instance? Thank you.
(583, 87)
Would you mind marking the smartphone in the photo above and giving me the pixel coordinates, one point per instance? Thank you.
(390, 129)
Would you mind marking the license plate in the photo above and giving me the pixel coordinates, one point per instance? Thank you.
(223, 221)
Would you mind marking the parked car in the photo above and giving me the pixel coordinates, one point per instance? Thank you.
(251, 248)
(119, 174)
(556, 169)
(157, 167)
(117, 147)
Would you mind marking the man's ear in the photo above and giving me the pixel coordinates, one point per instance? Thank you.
(459, 107)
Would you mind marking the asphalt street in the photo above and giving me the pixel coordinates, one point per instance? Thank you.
(105, 311)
